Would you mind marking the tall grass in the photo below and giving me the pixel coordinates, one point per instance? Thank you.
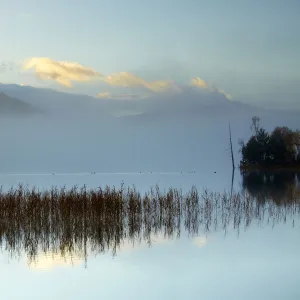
(77, 220)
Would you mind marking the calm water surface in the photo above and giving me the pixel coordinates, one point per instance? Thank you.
(256, 260)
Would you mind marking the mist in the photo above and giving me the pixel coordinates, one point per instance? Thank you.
(163, 133)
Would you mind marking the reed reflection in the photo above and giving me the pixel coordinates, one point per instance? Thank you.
(279, 187)
(77, 221)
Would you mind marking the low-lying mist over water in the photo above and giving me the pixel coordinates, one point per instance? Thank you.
(76, 133)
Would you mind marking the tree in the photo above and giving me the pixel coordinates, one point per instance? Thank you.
(277, 146)
(280, 147)
(256, 151)
(255, 126)
(285, 143)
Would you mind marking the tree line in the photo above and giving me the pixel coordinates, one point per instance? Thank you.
(281, 147)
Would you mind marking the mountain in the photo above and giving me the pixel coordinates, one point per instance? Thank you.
(58, 105)
(9, 105)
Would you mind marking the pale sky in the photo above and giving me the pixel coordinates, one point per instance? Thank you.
(244, 47)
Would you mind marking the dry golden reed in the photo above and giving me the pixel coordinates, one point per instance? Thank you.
(76, 220)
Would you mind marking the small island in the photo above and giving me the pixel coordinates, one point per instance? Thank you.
(278, 150)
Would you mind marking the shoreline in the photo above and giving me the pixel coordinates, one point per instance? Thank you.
(290, 168)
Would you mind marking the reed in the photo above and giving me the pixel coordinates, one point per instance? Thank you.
(78, 220)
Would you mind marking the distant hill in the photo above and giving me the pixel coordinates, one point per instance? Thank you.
(191, 103)
(9, 105)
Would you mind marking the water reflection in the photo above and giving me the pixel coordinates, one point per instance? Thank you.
(75, 222)
(50, 260)
(279, 187)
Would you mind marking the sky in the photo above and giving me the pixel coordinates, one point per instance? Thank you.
(246, 48)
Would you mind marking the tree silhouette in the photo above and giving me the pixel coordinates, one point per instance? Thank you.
(280, 147)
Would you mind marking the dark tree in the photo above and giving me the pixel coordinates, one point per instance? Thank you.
(280, 147)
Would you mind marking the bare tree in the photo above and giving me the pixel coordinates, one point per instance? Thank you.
(231, 150)
(255, 126)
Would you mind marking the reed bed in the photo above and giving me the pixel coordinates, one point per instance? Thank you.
(79, 220)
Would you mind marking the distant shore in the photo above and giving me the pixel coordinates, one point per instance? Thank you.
(256, 167)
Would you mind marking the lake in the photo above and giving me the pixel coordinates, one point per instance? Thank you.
(239, 241)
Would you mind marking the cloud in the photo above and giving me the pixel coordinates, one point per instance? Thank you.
(108, 95)
(125, 79)
(198, 82)
(196, 88)
(103, 95)
(200, 241)
(49, 260)
(228, 96)
(62, 72)
(128, 246)
(202, 84)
